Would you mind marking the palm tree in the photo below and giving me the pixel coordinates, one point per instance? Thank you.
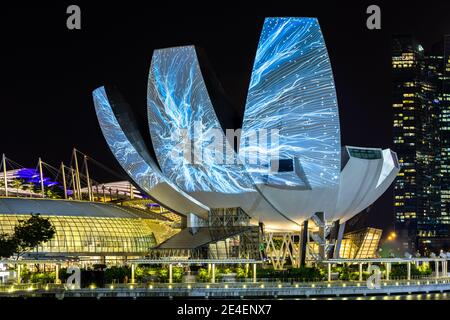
(17, 184)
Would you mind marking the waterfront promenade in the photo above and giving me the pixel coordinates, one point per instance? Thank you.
(231, 290)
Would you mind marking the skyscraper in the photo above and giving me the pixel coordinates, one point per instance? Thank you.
(420, 104)
(444, 130)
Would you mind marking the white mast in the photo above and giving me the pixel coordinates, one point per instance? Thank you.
(88, 179)
(41, 177)
(74, 184)
(77, 173)
(5, 180)
(64, 180)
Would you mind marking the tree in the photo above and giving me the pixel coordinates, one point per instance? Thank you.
(54, 192)
(117, 273)
(27, 235)
(17, 184)
(7, 246)
(30, 233)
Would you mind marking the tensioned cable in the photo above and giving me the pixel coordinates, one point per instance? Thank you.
(83, 177)
(13, 164)
(101, 165)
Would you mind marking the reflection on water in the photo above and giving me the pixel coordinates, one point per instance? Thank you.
(424, 296)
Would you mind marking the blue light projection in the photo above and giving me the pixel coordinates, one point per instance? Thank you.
(131, 161)
(29, 175)
(184, 126)
(292, 91)
(128, 148)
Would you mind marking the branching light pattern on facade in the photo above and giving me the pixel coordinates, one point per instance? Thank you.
(133, 163)
(126, 143)
(186, 134)
(292, 90)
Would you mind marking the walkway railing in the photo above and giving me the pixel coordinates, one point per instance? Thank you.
(30, 287)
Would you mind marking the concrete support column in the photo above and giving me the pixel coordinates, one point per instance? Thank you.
(329, 272)
(321, 217)
(445, 270)
(360, 272)
(298, 254)
(388, 270)
(209, 269)
(247, 268)
(408, 264)
(213, 271)
(170, 273)
(304, 243)
(337, 246)
(133, 271)
(57, 280)
(19, 271)
(254, 273)
(436, 263)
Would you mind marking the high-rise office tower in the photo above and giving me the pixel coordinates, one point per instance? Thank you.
(419, 95)
(415, 125)
(444, 130)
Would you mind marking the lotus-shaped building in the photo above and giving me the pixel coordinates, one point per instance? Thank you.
(289, 164)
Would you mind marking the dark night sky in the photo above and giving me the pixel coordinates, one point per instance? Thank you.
(48, 72)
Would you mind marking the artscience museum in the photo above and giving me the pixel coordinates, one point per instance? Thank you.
(284, 167)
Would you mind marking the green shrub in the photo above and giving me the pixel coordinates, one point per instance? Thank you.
(25, 274)
(350, 273)
(117, 274)
(177, 274)
(241, 273)
(306, 273)
(202, 275)
(227, 270)
(146, 274)
(401, 270)
(139, 273)
(47, 277)
(424, 269)
(302, 273)
(37, 277)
